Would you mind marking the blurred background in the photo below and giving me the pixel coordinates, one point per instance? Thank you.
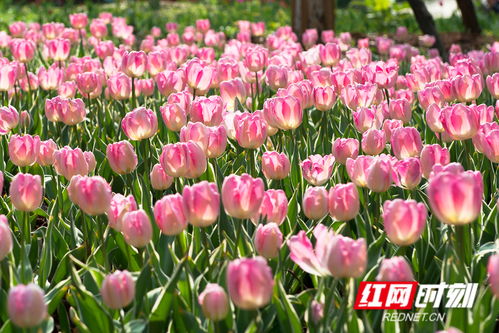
(471, 24)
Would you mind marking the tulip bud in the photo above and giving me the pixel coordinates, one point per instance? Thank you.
(343, 202)
(174, 116)
(24, 119)
(344, 149)
(493, 273)
(92, 194)
(119, 206)
(456, 197)
(406, 142)
(275, 165)
(251, 130)
(201, 203)
(317, 311)
(268, 240)
(26, 305)
(170, 215)
(404, 221)
(242, 196)
(137, 228)
(379, 175)
(121, 156)
(250, 283)
(214, 302)
(5, 237)
(409, 172)
(395, 269)
(140, 124)
(26, 192)
(373, 141)
(274, 207)
(346, 257)
(9, 118)
(23, 150)
(315, 203)
(159, 179)
(46, 153)
(183, 159)
(78, 20)
(118, 290)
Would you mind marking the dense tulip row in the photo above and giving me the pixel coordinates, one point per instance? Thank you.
(175, 183)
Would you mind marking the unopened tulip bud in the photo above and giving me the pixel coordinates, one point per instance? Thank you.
(315, 203)
(137, 228)
(69, 162)
(169, 214)
(250, 283)
(379, 175)
(343, 202)
(395, 269)
(268, 240)
(121, 156)
(201, 203)
(5, 237)
(214, 302)
(26, 192)
(404, 221)
(183, 159)
(373, 141)
(26, 305)
(92, 194)
(46, 153)
(159, 179)
(118, 290)
(406, 142)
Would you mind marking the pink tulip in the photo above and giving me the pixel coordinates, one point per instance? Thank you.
(170, 82)
(492, 82)
(431, 155)
(170, 214)
(159, 179)
(456, 197)
(121, 156)
(379, 175)
(5, 237)
(199, 76)
(406, 142)
(484, 113)
(90, 159)
(230, 90)
(201, 203)
(431, 95)
(395, 269)
(134, 63)
(8, 76)
(50, 78)
(487, 141)
(250, 282)
(118, 207)
(346, 257)
(365, 119)
(174, 116)
(315, 203)
(58, 49)
(373, 141)
(98, 28)
(459, 121)
(276, 76)
(26, 192)
(493, 274)
(92, 194)
(404, 221)
(268, 240)
(46, 152)
(251, 130)
(9, 119)
(69, 162)
(137, 228)
(313, 261)
(409, 172)
(344, 149)
(274, 207)
(389, 126)
(207, 110)
(23, 50)
(78, 20)
(118, 290)
(89, 84)
(275, 165)
(324, 98)
(317, 169)
(23, 150)
(256, 59)
(467, 87)
(357, 169)
(283, 112)
(183, 159)
(433, 118)
(400, 109)
(343, 202)
(17, 29)
(214, 302)
(71, 111)
(330, 54)
(26, 305)
(119, 86)
(144, 87)
(140, 124)
(242, 196)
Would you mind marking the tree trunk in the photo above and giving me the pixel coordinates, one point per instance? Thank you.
(426, 24)
(309, 14)
(468, 14)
